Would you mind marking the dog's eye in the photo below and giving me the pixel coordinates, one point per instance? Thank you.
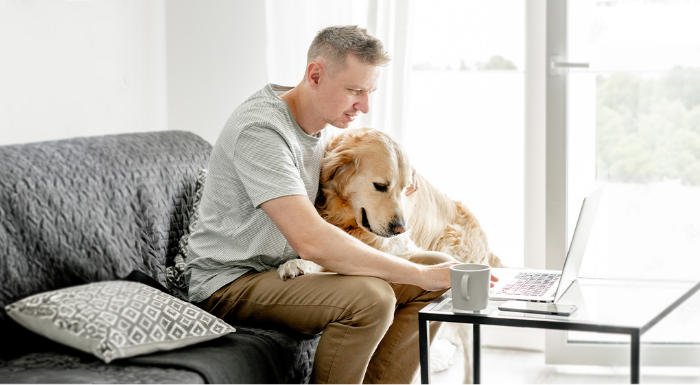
(380, 187)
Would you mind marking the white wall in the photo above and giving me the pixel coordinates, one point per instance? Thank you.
(80, 68)
(216, 59)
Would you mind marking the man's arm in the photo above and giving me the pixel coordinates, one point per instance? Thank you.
(318, 241)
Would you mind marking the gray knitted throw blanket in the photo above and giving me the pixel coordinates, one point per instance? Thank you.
(91, 209)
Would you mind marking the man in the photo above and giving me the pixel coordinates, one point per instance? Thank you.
(257, 212)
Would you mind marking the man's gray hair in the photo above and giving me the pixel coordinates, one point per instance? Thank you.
(335, 43)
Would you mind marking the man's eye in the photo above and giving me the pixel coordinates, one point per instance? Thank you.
(380, 187)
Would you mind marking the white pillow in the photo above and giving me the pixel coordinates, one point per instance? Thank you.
(116, 319)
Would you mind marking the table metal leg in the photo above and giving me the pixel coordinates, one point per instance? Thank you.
(634, 362)
(424, 344)
(477, 354)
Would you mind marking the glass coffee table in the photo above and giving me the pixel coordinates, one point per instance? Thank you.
(629, 307)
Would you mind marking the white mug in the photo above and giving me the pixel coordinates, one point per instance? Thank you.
(470, 286)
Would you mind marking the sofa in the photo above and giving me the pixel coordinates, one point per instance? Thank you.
(112, 210)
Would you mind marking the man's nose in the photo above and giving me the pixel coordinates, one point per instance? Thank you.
(362, 104)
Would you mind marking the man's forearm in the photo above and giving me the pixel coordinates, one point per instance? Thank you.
(337, 251)
(320, 242)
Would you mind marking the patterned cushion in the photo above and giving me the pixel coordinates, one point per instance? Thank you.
(116, 319)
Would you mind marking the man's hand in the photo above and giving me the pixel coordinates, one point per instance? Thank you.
(413, 187)
(493, 279)
(437, 277)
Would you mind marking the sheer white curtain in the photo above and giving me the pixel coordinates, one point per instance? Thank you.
(291, 25)
(390, 21)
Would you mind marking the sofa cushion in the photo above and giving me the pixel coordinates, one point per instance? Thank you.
(67, 368)
(249, 356)
(116, 319)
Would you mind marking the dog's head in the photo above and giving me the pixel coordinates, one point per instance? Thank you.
(364, 177)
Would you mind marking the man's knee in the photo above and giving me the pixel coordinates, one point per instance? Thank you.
(373, 301)
(431, 258)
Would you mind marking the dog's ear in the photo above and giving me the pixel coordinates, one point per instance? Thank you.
(335, 141)
(342, 159)
(339, 166)
(340, 163)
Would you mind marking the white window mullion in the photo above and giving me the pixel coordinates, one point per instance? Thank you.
(535, 133)
(555, 152)
(556, 137)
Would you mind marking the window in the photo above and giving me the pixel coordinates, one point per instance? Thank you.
(633, 122)
(465, 121)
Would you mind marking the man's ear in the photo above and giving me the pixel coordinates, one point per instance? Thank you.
(313, 74)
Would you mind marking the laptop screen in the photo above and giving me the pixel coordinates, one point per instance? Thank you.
(577, 249)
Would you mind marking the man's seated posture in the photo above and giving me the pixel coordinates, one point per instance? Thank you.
(257, 212)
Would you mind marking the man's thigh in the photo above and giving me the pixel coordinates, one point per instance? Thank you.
(305, 304)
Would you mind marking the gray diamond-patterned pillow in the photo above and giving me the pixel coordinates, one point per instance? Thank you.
(116, 319)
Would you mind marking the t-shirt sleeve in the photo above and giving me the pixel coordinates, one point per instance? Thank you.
(265, 164)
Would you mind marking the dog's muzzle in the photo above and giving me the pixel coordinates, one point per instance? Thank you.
(397, 227)
(365, 221)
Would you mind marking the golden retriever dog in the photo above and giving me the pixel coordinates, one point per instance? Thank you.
(364, 177)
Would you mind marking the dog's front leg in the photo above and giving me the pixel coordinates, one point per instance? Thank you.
(465, 335)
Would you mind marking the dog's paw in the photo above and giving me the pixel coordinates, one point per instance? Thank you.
(297, 267)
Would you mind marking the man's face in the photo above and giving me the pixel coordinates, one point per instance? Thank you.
(344, 93)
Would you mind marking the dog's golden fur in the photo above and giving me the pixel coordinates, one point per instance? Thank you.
(358, 160)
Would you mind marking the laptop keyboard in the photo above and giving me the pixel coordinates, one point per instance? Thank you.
(531, 284)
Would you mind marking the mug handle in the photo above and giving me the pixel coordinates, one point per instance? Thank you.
(463, 286)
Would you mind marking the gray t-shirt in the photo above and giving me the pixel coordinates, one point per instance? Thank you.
(261, 154)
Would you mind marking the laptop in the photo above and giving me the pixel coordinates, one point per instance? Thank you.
(549, 285)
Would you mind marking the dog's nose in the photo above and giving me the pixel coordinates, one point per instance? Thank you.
(397, 227)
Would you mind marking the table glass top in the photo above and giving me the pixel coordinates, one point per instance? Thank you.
(614, 303)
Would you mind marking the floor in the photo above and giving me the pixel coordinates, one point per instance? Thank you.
(509, 366)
